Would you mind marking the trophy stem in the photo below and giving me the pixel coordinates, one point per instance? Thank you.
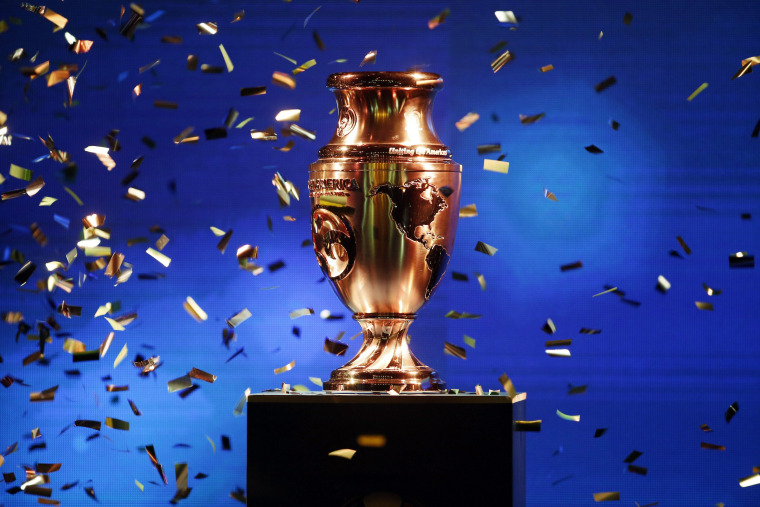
(384, 361)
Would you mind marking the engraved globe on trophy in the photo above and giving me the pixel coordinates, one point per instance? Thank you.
(385, 204)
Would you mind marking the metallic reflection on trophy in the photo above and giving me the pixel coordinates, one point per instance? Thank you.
(385, 204)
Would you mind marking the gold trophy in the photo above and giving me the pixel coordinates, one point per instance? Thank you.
(385, 204)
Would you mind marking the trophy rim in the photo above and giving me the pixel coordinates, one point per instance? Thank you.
(385, 79)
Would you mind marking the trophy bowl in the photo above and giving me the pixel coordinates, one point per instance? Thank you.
(385, 203)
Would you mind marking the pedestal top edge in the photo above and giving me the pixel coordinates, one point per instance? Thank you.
(378, 397)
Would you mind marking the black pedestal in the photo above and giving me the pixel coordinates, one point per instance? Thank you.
(431, 450)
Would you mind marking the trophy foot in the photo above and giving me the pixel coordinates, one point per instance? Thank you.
(384, 362)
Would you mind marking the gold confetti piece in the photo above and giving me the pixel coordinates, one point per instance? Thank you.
(139, 485)
(712, 447)
(343, 453)
(179, 383)
(663, 285)
(288, 115)
(731, 412)
(502, 60)
(438, 19)
(741, 260)
(255, 90)
(318, 41)
(36, 433)
(506, 17)
(240, 405)
(558, 352)
(135, 194)
(21, 173)
(527, 425)
(571, 266)
(469, 340)
(239, 318)
(226, 57)
(207, 28)
(287, 58)
(376, 441)
(577, 389)
(507, 384)
(264, 135)
(304, 66)
(532, 118)
(115, 325)
(46, 395)
(704, 306)
(316, 381)
(466, 121)
(627, 18)
(73, 195)
(479, 390)
(244, 122)
(369, 58)
(566, 417)
(162, 241)
(603, 85)
(607, 496)
(120, 357)
(47, 201)
(550, 195)
(302, 132)
(752, 480)
(288, 146)
(211, 441)
(114, 265)
(202, 375)
(285, 368)
(117, 424)
(468, 211)
(301, 312)
(496, 166)
(238, 16)
(106, 344)
(183, 135)
(194, 309)
(289, 218)
(558, 343)
(68, 310)
(97, 251)
(486, 248)
(163, 259)
(165, 104)
(546, 68)
(222, 245)
(57, 76)
(710, 291)
(605, 292)
(683, 245)
(86, 423)
(697, 91)
(454, 350)
(335, 347)
(47, 468)
(71, 346)
(705, 428)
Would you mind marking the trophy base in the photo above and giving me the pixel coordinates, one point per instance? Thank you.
(352, 379)
(384, 361)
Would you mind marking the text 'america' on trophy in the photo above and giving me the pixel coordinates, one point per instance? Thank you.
(385, 204)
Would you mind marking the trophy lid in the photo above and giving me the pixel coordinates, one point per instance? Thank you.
(385, 115)
(424, 80)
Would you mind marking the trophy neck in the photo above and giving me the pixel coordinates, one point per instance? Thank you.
(385, 114)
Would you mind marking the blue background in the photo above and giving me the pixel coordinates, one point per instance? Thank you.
(655, 373)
